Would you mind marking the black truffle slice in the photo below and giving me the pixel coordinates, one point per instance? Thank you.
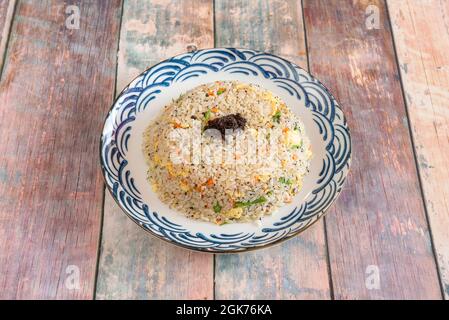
(231, 121)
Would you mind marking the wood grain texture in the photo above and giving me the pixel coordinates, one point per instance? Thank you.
(379, 219)
(6, 14)
(296, 269)
(133, 264)
(55, 89)
(421, 32)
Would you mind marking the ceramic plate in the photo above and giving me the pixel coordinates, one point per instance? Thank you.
(124, 166)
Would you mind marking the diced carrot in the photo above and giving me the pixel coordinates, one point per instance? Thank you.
(210, 182)
(295, 157)
(285, 130)
(214, 109)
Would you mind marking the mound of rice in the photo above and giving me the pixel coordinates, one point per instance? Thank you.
(237, 177)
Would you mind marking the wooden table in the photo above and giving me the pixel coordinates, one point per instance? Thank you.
(62, 236)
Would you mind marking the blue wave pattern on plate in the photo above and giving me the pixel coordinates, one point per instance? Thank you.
(327, 115)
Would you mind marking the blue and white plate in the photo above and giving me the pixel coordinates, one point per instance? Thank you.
(124, 166)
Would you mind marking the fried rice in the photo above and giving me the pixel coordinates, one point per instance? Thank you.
(252, 170)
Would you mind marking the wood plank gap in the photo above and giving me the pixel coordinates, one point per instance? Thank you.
(421, 34)
(214, 22)
(328, 260)
(100, 237)
(305, 35)
(7, 26)
(412, 139)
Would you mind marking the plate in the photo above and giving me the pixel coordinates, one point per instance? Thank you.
(124, 166)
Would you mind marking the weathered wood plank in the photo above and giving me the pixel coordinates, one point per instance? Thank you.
(134, 264)
(420, 29)
(296, 269)
(6, 15)
(379, 224)
(56, 86)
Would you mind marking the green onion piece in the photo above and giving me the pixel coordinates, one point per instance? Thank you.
(285, 181)
(277, 116)
(207, 115)
(243, 204)
(220, 91)
(217, 207)
(297, 146)
(261, 199)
